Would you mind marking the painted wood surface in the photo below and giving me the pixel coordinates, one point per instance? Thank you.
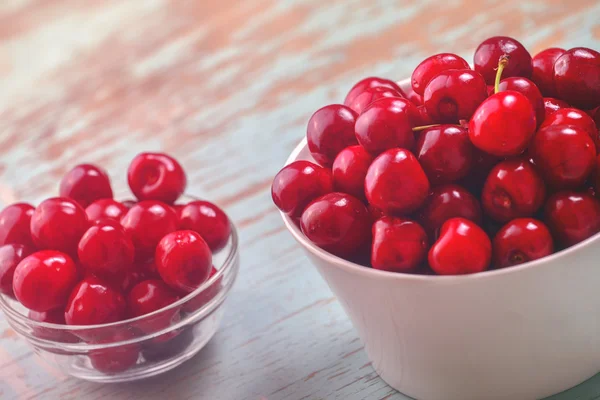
(227, 87)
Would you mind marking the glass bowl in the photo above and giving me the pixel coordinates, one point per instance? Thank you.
(140, 347)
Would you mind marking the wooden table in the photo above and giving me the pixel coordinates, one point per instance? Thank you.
(227, 87)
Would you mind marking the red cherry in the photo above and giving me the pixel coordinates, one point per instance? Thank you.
(149, 296)
(445, 153)
(574, 117)
(385, 124)
(407, 92)
(56, 316)
(86, 183)
(454, 95)
(432, 66)
(462, 248)
(57, 224)
(330, 130)
(399, 245)
(513, 189)
(147, 223)
(156, 176)
(106, 209)
(396, 183)
(208, 220)
(504, 124)
(564, 155)
(14, 224)
(112, 360)
(521, 240)
(10, 256)
(205, 295)
(93, 302)
(553, 105)
(489, 52)
(43, 280)
(577, 77)
(543, 70)
(183, 260)
(338, 223)
(363, 100)
(368, 83)
(349, 171)
(299, 183)
(529, 90)
(572, 217)
(445, 202)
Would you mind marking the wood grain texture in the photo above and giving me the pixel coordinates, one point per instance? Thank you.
(227, 87)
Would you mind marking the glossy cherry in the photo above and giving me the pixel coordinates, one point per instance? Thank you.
(552, 105)
(183, 260)
(105, 209)
(112, 360)
(147, 223)
(156, 176)
(574, 117)
(86, 183)
(513, 189)
(149, 296)
(432, 66)
(572, 217)
(363, 100)
(208, 220)
(299, 183)
(529, 90)
(408, 93)
(338, 223)
(399, 245)
(43, 280)
(445, 152)
(368, 83)
(93, 302)
(206, 295)
(504, 124)
(462, 248)
(577, 77)
(543, 70)
(488, 54)
(445, 202)
(15, 224)
(396, 182)
(454, 95)
(10, 256)
(521, 240)
(564, 155)
(350, 169)
(329, 131)
(385, 124)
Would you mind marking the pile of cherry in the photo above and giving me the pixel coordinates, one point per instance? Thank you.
(459, 171)
(86, 259)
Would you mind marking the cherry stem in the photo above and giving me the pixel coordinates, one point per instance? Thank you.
(422, 128)
(502, 63)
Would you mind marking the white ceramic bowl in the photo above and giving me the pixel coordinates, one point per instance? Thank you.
(518, 333)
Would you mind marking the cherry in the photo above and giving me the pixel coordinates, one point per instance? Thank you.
(572, 217)
(368, 83)
(206, 295)
(106, 209)
(564, 155)
(385, 124)
(338, 223)
(112, 360)
(106, 251)
(574, 117)
(14, 224)
(86, 183)
(183, 260)
(513, 189)
(529, 90)
(364, 99)
(147, 223)
(543, 70)
(43, 280)
(408, 93)
(553, 105)
(454, 95)
(10, 256)
(93, 302)
(504, 124)
(156, 176)
(399, 245)
(208, 220)
(445, 202)
(330, 129)
(462, 248)
(445, 153)
(432, 66)
(521, 240)
(489, 52)
(577, 77)
(57, 224)
(56, 316)
(349, 171)
(396, 183)
(149, 296)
